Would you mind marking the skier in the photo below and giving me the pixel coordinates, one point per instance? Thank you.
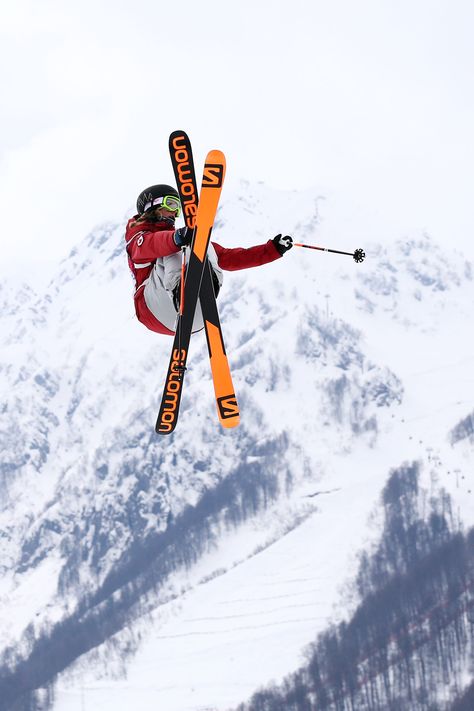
(153, 247)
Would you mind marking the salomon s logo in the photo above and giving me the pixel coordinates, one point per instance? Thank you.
(213, 175)
(228, 406)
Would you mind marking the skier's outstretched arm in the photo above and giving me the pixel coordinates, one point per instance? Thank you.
(236, 258)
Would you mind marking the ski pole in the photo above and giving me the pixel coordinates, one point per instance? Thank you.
(358, 255)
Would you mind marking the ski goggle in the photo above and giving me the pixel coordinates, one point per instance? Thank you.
(170, 202)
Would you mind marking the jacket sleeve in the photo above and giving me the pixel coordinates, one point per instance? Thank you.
(148, 246)
(240, 258)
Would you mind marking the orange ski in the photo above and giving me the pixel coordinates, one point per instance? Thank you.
(226, 401)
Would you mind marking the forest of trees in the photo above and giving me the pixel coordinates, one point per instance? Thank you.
(27, 682)
(409, 642)
(407, 646)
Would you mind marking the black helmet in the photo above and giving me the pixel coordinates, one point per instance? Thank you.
(147, 197)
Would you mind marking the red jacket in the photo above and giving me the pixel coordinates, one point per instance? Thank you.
(148, 241)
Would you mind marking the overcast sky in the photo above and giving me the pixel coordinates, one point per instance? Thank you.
(371, 99)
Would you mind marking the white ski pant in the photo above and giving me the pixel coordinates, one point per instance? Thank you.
(158, 290)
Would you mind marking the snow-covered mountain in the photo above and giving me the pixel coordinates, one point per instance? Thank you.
(186, 572)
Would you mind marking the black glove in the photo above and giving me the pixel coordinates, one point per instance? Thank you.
(183, 236)
(283, 244)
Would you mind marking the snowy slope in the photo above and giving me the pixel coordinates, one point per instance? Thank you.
(343, 372)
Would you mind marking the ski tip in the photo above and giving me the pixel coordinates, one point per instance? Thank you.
(230, 422)
(163, 428)
(215, 156)
(178, 132)
(228, 411)
(168, 415)
(214, 170)
(179, 140)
